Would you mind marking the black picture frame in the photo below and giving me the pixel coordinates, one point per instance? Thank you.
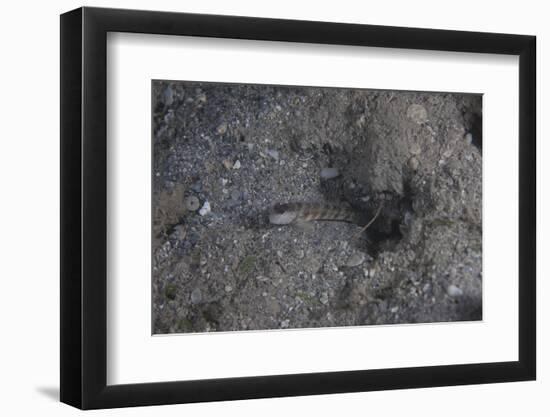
(84, 207)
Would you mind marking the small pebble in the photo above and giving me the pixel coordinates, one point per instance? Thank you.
(221, 129)
(356, 259)
(394, 309)
(192, 203)
(205, 209)
(168, 96)
(448, 153)
(237, 164)
(273, 153)
(193, 238)
(196, 296)
(236, 195)
(179, 232)
(328, 173)
(324, 298)
(197, 187)
(285, 324)
(417, 113)
(468, 138)
(228, 288)
(454, 291)
(300, 254)
(413, 163)
(227, 164)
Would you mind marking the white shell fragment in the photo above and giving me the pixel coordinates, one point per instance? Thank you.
(205, 209)
(417, 113)
(221, 129)
(328, 173)
(355, 260)
(454, 291)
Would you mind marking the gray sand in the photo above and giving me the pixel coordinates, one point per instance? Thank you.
(224, 154)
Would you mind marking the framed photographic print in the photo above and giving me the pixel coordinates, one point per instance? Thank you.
(257, 208)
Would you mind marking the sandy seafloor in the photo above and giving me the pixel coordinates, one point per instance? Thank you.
(223, 154)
